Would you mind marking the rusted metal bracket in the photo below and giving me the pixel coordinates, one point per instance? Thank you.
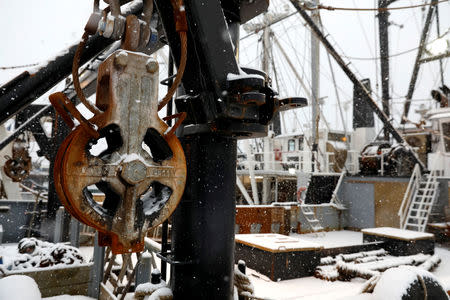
(18, 166)
(142, 172)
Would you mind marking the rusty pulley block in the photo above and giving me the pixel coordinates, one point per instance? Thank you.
(18, 166)
(142, 168)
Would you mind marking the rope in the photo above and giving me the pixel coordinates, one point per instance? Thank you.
(181, 28)
(75, 76)
(60, 102)
(379, 57)
(424, 286)
(397, 54)
(380, 9)
(242, 283)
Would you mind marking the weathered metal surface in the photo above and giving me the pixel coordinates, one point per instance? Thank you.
(143, 170)
(71, 280)
(18, 166)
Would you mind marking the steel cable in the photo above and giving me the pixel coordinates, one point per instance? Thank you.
(381, 9)
(181, 28)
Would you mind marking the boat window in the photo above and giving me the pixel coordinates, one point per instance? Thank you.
(300, 144)
(291, 145)
(446, 135)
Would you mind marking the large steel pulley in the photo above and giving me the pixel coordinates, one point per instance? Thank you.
(137, 162)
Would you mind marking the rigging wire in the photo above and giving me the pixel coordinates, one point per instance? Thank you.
(19, 67)
(76, 78)
(380, 9)
(302, 110)
(337, 97)
(379, 57)
(363, 30)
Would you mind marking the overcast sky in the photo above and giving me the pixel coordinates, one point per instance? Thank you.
(33, 31)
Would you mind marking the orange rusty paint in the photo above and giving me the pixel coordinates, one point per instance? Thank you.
(127, 92)
(264, 215)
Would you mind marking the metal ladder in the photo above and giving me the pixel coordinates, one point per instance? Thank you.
(310, 216)
(307, 211)
(422, 202)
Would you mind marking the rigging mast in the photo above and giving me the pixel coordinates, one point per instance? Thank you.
(315, 84)
(383, 26)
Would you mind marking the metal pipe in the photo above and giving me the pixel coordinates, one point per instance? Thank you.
(244, 191)
(33, 85)
(36, 84)
(203, 223)
(381, 115)
(315, 85)
(165, 226)
(436, 57)
(383, 25)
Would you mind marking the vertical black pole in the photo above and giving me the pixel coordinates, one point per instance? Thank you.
(203, 223)
(165, 225)
(383, 28)
(60, 132)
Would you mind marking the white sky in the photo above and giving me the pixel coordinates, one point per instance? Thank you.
(33, 31)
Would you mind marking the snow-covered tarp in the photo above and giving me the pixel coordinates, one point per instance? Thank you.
(396, 233)
(276, 242)
(32, 253)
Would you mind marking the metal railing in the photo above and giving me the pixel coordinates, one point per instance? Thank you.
(430, 191)
(352, 163)
(413, 185)
(297, 160)
(335, 201)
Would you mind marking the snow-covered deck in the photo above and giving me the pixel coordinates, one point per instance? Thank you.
(332, 239)
(311, 288)
(276, 242)
(399, 234)
(307, 288)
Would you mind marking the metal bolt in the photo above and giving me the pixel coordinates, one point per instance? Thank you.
(152, 66)
(121, 59)
(134, 172)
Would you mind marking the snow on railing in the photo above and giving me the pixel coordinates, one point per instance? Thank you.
(288, 161)
(352, 163)
(431, 184)
(334, 198)
(413, 185)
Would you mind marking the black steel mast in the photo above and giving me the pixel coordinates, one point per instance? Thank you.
(383, 28)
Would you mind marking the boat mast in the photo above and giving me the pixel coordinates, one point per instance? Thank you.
(268, 165)
(344, 66)
(383, 26)
(315, 62)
